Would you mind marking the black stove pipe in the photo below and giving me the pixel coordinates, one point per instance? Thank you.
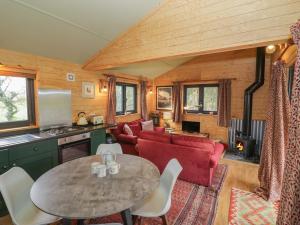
(259, 81)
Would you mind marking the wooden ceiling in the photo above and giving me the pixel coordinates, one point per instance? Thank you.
(189, 28)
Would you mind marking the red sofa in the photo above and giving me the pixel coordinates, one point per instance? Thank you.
(198, 156)
(128, 142)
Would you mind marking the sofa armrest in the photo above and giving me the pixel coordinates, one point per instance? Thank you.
(214, 159)
(127, 138)
(115, 131)
(159, 129)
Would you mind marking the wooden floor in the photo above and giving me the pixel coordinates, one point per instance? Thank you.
(240, 175)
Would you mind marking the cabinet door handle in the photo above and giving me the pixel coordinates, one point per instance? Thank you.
(35, 149)
(14, 164)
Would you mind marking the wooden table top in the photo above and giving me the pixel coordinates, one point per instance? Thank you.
(70, 190)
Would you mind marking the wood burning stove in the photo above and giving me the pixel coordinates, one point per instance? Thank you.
(245, 146)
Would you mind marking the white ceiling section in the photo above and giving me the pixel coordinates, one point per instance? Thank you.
(71, 30)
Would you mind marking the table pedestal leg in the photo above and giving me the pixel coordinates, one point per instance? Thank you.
(80, 222)
(126, 216)
(66, 222)
(72, 222)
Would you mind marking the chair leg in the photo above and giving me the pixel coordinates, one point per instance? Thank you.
(164, 219)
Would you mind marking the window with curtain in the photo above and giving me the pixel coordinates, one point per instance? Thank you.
(16, 101)
(201, 98)
(126, 98)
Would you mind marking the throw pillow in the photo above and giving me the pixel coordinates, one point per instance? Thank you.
(136, 129)
(127, 130)
(147, 125)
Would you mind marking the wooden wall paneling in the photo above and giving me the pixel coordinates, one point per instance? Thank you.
(51, 73)
(237, 64)
(180, 28)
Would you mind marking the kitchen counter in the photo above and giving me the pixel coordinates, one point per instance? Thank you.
(36, 135)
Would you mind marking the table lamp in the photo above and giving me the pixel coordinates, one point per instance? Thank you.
(167, 117)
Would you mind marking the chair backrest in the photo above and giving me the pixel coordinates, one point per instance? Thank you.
(168, 180)
(15, 187)
(109, 148)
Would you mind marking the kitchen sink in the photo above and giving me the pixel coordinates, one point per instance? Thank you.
(18, 139)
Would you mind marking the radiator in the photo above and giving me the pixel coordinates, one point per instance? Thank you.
(257, 132)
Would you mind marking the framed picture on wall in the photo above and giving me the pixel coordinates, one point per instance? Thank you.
(164, 96)
(88, 90)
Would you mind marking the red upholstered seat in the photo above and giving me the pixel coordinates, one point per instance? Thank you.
(198, 156)
(128, 142)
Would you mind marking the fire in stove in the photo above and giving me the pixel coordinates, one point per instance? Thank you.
(239, 146)
(245, 146)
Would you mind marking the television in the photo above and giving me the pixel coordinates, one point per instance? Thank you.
(191, 126)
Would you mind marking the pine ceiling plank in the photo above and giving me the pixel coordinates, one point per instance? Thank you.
(183, 28)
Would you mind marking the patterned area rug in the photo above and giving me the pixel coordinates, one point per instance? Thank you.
(191, 203)
(247, 208)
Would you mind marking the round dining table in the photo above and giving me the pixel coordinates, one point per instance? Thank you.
(71, 191)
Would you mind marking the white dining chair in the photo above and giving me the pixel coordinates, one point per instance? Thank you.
(109, 148)
(159, 203)
(15, 187)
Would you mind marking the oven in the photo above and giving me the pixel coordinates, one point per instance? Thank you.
(73, 147)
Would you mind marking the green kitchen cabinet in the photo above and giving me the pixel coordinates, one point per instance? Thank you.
(97, 137)
(35, 158)
(4, 165)
(37, 165)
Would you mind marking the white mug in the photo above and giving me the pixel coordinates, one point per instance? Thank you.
(94, 167)
(109, 157)
(113, 167)
(101, 170)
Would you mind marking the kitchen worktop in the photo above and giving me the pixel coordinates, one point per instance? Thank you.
(36, 135)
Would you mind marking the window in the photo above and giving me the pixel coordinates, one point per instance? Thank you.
(201, 98)
(16, 101)
(126, 97)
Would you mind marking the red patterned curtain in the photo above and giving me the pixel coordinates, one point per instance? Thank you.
(111, 101)
(224, 104)
(144, 110)
(289, 212)
(274, 147)
(177, 102)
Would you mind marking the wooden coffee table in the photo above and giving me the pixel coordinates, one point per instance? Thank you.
(70, 191)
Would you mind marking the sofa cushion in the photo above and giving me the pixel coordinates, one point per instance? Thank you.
(120, 126)
(195, 142)
(155, 136)
(160, 129)
(136, 129)
(127, 130)
(127, 139)
(147, 125)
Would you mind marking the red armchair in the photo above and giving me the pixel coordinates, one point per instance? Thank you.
(128, 142)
